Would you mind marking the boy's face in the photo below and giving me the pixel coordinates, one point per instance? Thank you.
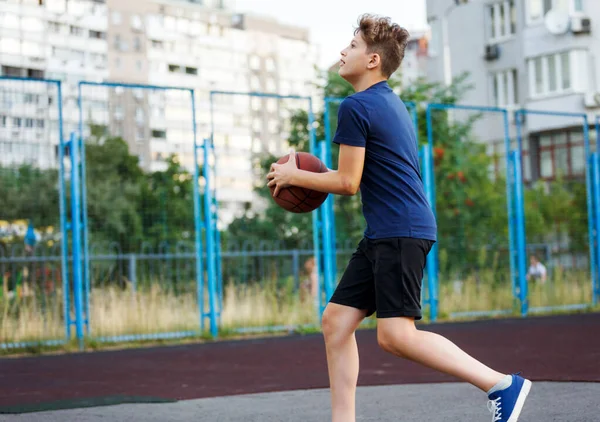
(354, 61)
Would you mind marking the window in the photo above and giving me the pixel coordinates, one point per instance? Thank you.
(99, 35)
(29, 123)
(31, 99)
(502, 20)
(561, 153)
(537, 9)
(136, 22)
(191, 70)
(75, 30)
(116, 18)
(17, 121)
(2, 121)
(54, 27)
(119, 112)
(157, 44)
(139, 115)
(552, 74)
(137, 44)
(161, 134)
(505, 88)
(140, 134)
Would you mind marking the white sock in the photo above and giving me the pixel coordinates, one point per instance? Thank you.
(502, 384)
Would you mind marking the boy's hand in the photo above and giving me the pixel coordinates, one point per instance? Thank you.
(282, 175)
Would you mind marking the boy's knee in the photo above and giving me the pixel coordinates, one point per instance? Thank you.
(330, 323)
(395, 339)
(338, 322)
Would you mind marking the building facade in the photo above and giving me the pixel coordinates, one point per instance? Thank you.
(202, 45)
(532, 54)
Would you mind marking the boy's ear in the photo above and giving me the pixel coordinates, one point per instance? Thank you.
(374, 61)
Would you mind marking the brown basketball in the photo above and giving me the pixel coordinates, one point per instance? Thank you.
(296, 199)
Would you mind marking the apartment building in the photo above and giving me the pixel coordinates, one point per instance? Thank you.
(203, 45)
(46, 39)
(533, 54)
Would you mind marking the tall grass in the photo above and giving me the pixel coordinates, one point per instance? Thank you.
(155, 308)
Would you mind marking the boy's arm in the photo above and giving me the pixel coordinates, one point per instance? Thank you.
(343, 181)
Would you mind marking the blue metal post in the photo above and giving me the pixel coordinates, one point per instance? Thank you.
(596, 274)
(330, 208)
(210, 243)
(86, 263)
(76, 230)
(329, 163)
(432, 270)
(594, 265)
(512, 204)
(198, 222)
(63, 217)
(328, 276)
(85, 231)
(215, 217)
(429, 122)
(316, 214)
(520, 211)
(412, 109)
(596, 183)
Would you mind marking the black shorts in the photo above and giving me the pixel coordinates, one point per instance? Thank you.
(385, 275)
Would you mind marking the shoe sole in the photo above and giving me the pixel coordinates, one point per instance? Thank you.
(514, 417)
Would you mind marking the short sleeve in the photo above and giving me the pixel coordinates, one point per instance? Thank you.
(353, 124)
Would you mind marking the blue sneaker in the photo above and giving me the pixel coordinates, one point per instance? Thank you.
(506, 405)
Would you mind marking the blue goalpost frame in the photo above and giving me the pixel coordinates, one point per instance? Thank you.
(63, 218)
(321, 218)
(515, 207)
(589, 162)
(81, 251)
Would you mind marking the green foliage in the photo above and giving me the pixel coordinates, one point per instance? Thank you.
(29, 193)
(126, 207)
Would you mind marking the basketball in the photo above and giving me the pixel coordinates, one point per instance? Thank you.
(300, 200)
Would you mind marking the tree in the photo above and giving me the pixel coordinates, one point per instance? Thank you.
(114, 192)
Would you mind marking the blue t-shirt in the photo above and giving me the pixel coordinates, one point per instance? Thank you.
(392, 191)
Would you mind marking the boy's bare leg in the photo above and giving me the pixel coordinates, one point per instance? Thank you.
(339, 324)
(400, 336)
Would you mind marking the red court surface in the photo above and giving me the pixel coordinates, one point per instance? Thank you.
(560, 348)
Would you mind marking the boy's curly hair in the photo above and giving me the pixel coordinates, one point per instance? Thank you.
(385, 38)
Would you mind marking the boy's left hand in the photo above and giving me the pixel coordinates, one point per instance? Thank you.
(281, 175)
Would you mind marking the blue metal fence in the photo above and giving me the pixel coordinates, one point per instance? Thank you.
(195, 268)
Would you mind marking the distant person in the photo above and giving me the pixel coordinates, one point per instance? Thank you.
(537, 270)
(378, 154)
(310, 285)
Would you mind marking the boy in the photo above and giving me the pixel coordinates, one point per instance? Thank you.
(378, 153)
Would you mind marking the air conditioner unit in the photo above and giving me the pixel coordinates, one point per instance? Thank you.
(492, 52)
(592, 100)
(581, 24)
